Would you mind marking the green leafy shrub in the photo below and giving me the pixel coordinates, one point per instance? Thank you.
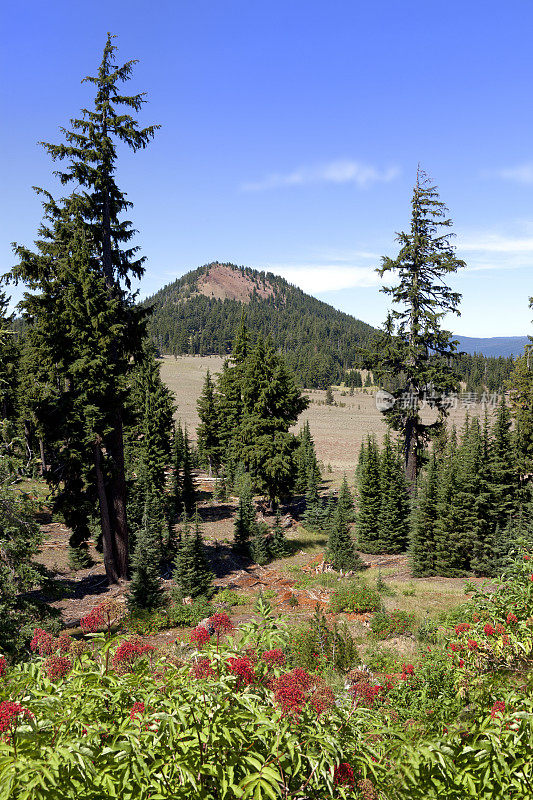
(356, 597)
(143, 622)
(230, 598)
(385, 624)
(318, 645)
(182, 615)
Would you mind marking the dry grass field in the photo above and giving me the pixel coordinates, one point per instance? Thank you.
(337, 430)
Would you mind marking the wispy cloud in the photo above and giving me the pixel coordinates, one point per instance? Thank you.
(320, 278)
(522, 173)
(495, 251)
(342, 171)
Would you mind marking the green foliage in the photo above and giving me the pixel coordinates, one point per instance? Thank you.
(355, 597)
(323, 647)
(145, 622)
(386, 624)
(209, 441)
(191, 615)
(368, 497)
(278, 545)
(145, 590)
(259, 547)
(340, 552)
(192, 574)
(393, 521)
(228, 597)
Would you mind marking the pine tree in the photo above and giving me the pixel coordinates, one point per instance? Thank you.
(191, 572)
(91, 152)
(209, 442)
(412, 355)
(368, 499)
(278, 544)
(145, 589)
(393, 520)
(422, 549)
(340, 551)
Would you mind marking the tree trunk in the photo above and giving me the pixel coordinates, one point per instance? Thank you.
(43, 456)
(116, 493)
(411, 452)
(105, 522)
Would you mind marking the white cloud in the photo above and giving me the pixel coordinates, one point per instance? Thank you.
(319, 278)
(342, 171)
(522, 173)
(495, 251)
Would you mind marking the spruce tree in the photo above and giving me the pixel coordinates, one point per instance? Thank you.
(245, 524)
(90, 148)
(450, 547)
(305, 459)
(145, 590)
(313, 513)
(368, 499)
(188, 492)
(412, 356)
(259, 550)
(191, 572)
(503, 468)
(393, 520)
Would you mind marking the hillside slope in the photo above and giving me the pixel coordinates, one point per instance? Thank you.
(496, 346)
(198, 314)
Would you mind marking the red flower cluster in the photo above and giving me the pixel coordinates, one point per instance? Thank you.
(343, 775)
(43, 642)
(128, 653)
(8, 712)
(500, 628)
(322, 698)
(497, 708)
(57, 667)
(64, 643)
(407, 670)
(455, 648)
(511, 619)
(243, 669)
(488, 630)
(202, 669)
(461, 628)
(3, 666)
(137, 708)
(274, 657)
(472, 644)
(93, 621)
(220, 623)
(289, 691)
(199, 636)
(365, 693)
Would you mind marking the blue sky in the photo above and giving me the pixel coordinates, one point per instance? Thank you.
(291, 132)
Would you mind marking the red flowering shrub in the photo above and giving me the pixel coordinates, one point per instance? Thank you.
(137, 708)
(343, 775)
(274, 657)
(290, 691)
(407, 670)
(488, 630)
(461, 628)
(322, 698)
(64, 643)
(199, 636)
(220, 623)
(128, 653)
(9, 712)
(57, 667)
(511, 619)
(93, 621)
(243, 669)
(42, 642)
(202, 669)
(472, 644)
(3, 666)
(497, 708)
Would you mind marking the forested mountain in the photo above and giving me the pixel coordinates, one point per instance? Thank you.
(199, 313)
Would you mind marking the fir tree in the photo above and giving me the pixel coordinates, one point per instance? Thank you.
(450, 545)
(368, 499)
(330, 400)
(503, 469)
(209, 442)
(191, 572)
(393, 520)
(305, 459)
(313, 514)
(259, 549)
(346, 501)
(422, 549)
(412, 355)
(278, 544)
(340, 551)
(145, 589)
(188, 492)
(91, 153)
(245, 523)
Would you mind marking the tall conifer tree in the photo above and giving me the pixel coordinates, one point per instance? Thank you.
(368, 499)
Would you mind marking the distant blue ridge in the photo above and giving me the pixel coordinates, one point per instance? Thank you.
(494, 346)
